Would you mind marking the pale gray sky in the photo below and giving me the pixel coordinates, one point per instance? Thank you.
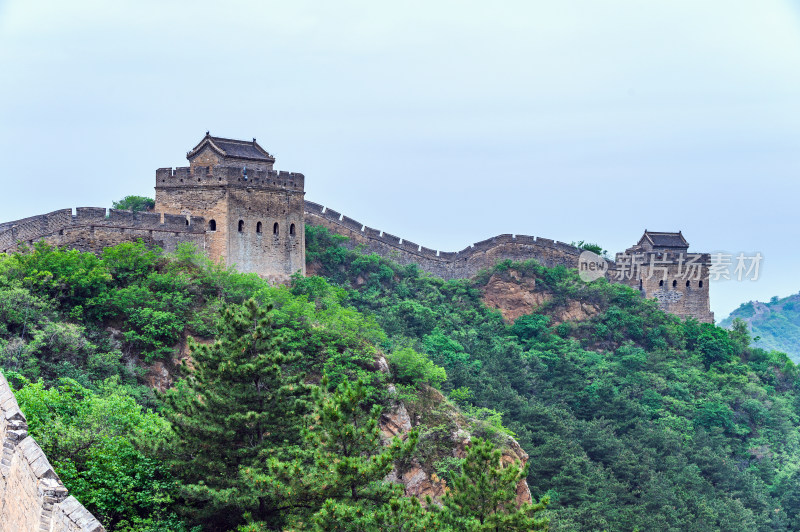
(441, 122)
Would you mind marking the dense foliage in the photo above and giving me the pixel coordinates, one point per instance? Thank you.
(633, 419)
(273, 424)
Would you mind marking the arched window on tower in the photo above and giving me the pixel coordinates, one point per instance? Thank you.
(674, 284)
(258, 228)
(291, 230)
(701, 284)
(641, 287)
(688, 284)
(275, 229)
(241, 226)
(661, 282)
(212, 225)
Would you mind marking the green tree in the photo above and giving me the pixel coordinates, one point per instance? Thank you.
(350, 461)
(134, 203)
(102, 445)
(483, 497)
(338, 484)
(240, 404)
(411, 367)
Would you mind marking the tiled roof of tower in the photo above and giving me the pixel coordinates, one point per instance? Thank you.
(237, 149)
(665, 240)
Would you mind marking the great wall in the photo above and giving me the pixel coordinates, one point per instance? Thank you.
(231, 204)
(32, 497)
(447, 265)
(95, 228)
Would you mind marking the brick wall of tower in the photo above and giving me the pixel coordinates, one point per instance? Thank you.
(227, 195)
(684, 294)
(210, 202)
(271, 239)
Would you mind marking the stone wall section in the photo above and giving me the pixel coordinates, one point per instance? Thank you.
(95, 228)
(266, 198)
(682, 300)
(32, 497)
(447, 265)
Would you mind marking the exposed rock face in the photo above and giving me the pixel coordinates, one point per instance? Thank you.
(395, 422)
(515, 295)
(158, 377)
(418, 483)
(32, 496)
(418, 479)
(574, 311)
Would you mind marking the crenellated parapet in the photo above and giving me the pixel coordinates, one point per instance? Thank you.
(676, 293)
(445, 264)
(227, 176)
(93, 226)
(32, 497)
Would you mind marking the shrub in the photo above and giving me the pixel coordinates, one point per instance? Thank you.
(411, 367)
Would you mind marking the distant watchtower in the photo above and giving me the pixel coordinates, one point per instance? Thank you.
(663, 268)
(254, 214)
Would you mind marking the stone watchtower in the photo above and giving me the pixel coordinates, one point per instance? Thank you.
(254, 214)
(661, 267)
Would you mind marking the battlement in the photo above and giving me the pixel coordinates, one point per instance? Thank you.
(32, 497)
(681, 298)
(315, 210)
(205, 176)
(31, 229)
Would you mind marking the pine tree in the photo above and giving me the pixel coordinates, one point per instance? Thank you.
(238, 406)
(483, 497)
(339, 483)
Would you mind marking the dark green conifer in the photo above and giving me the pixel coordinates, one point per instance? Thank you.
(483, 497)
(240, 405)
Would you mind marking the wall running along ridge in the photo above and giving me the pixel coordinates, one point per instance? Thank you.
(447, 265)
(94, 228)
(683, 299)
(32, 497)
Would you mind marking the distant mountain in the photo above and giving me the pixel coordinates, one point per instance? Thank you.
(777, 323)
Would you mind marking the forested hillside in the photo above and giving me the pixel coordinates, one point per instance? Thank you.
(282, 413)
(633, 419)
(774, 324)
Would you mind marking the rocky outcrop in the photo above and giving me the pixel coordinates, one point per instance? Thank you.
(419, 479)
(32, 497)
(515, 294)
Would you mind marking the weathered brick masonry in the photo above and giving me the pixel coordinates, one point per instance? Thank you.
(94, 228)
(447, 265)
(254, 214)
(674, 292)
(231, 203)
(32, 497)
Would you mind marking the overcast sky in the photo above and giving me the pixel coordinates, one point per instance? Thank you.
(441, 122)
